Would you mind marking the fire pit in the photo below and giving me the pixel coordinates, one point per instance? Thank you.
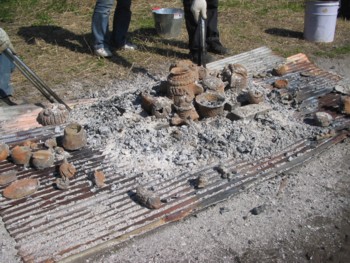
(143, 158)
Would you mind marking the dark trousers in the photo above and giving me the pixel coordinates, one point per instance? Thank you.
(193, 30)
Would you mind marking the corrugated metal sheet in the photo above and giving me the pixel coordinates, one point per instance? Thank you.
(54, 225)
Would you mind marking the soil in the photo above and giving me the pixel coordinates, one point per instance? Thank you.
(299, 216)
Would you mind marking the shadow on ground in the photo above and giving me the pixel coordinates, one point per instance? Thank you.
(281, 32)
(56, 35)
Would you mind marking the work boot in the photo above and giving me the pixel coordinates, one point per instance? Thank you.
(207, 58)
(218, 48)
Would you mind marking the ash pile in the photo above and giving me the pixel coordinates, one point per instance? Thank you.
(193, 117)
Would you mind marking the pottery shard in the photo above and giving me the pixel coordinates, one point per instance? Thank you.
(148, 198)
(51, 143)
(202, 181)
(99, 179)
(281, 83)
(323, 119)
(67, 170)
(255, 96)
(8, 177)
(21, 188)
(4, 151)
(62, 183)
(42, 159)
(21, 155)
(280, 70)
(30, 144)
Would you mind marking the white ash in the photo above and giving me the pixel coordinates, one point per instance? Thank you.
(152, 148)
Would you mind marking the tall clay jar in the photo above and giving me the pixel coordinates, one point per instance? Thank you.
(74, 137)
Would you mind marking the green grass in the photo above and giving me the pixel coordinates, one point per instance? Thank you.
(65, 53)
(43, 18)
(9, 8)
(42, 11)
(335, 52)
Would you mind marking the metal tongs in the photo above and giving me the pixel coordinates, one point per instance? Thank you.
(202, 48)
(34, 79)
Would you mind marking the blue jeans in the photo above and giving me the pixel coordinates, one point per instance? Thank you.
(6, 68)
(100, 25)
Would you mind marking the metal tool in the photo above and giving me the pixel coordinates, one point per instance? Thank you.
(32, 77)
(202, 51)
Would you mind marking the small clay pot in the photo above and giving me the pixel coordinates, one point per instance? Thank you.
(255, 97)
(280, 70)
(210, 104)
(281, 83)
(99, 179)
(74, 137)
(4, 151)
(67, 170)
(21, 188)
(323, 119)
(21, 155)
(42, 159)
(8, 177)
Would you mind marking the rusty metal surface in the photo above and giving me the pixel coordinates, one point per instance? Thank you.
(64, 225)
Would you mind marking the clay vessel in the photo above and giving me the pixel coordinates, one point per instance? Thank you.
(53, 114)
(42, 159)
(210, 104)
(187, 112)
(99, 179)
(8, 177)
(4, 151)
(323, 119)
(280, 70)
(214, 84)
(255, 97)
(21, 155)
(67, 170)
(21, 188)
(281, 83)
(74, 137)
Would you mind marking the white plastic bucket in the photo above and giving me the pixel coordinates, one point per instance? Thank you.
(320, 20)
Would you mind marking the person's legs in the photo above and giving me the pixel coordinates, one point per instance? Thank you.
(192, 28)
(212, 22)
(212, 38)
(121, 22)
(212, 32)
(100, 23)
(6, 67)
